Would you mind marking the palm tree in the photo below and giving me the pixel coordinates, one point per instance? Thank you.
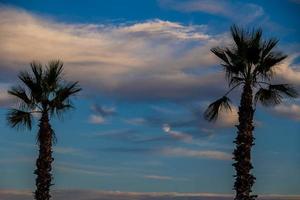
(44, 93)
(249, 65)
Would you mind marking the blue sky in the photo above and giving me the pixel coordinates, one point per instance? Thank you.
(147, 74)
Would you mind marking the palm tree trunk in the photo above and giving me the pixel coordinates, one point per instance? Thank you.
(43, 163)
(244, 180)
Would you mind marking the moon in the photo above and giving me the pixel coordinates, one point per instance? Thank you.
(166, 127)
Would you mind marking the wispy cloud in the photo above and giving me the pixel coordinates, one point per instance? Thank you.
(157, 177)
(69, 169)
(119, 134)
(80, 169)
(167, 29)
(104, 111)
(96, 119)
(70, 151)
(17, 160)
(174, 152)
(164, 110)
(176, 134)
(245, 12)
(65, 150)
(183, 152)
(101, 113)
(291, 111)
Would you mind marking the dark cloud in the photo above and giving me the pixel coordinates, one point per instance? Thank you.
(103, 110)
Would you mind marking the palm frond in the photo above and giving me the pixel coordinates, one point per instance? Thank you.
(274, 94)
(37, 69)
(267, 97)
(212, 112)
(266, 65)
(34, 87)
(19, 118)
(61, 98)
(219, 52)
(237, 61)
(238, 36)
(285, 89)
(267, 46)
(254, 44)
(236, 80)
(53, 74)
(256, 36)
(21, 94)
(66, 91)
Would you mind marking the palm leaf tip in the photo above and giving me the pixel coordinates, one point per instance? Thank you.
(20, 93)
(18, 118)
(285, 89)
(212, 112)
(53, 73)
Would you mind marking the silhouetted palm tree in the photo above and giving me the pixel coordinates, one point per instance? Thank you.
(248, 64)
(45, 93)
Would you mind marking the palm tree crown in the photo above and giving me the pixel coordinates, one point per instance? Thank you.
(43, 91)
(250, 61)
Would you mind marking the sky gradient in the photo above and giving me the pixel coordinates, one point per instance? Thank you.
(147, 74)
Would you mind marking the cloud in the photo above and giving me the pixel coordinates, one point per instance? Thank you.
(288, 71)
(70, 151)
(245, 12)
(118, 134)
(112, 195)
(104, 111)
(129, 135)
(167, 29)
(291, 111)
(148, 60)
(183, 152)
(173, 152)
(101, 113)
(228, 118)
(96, 119)
(191, 116)
(160, 178)
(164, 110)
(80, 169)
(17, 160)
(176, 134)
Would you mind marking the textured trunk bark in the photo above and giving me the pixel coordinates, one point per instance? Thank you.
(244, 180)
(43, 163)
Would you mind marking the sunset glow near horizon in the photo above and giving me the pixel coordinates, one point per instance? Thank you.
(147, 75)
